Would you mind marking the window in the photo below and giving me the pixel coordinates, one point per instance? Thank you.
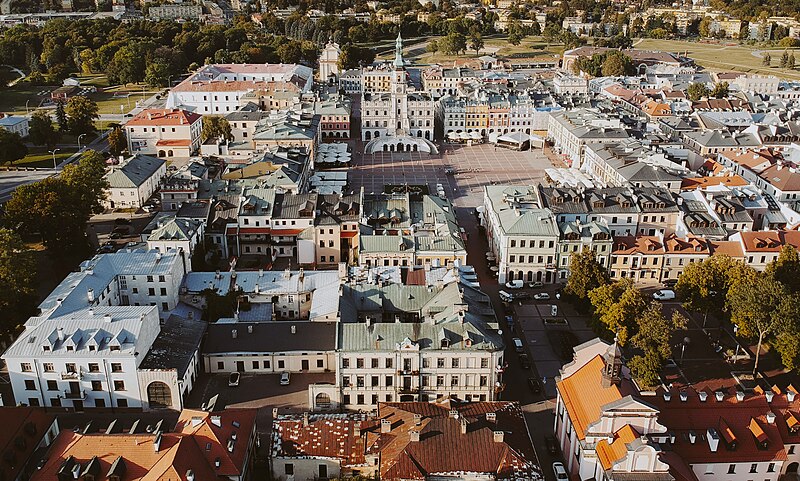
(439, 381)
(360, 363)
(374, 382)
(374, 362)
(345, 362)
(440, 363)
(346, 399)
(360, 399)
(52, 385)
(771, 468)
(163, 291)
(389, 381)
(455, 363)
(94, 367)
(122, 403)
(426, 362)
(255, 364)
(116, 367)
(320, 363)
(281, 364)
(97, 386)
(374, 399)
(25, 367)
(149, 278)
(359, 381)
(288, 469)
(389, 363)
(454, 380)
(30, 385)
(484, 363)
(119, 385)
(732, 469)
(151, 292)
(48, 367)
(484, 381)
(70, 367)
(346, 381)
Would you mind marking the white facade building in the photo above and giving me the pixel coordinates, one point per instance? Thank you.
(133, 182)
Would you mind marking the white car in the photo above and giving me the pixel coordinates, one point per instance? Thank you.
(541, 296)
(515, 284)
(664, 295)
(285, 379)
(559, 471)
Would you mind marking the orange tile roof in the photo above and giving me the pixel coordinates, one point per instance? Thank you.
(584, 396)
(206, 431)
(164, 117)
(174, 143)
(650, 245)
(769, 241)
(693, 183)
(728, 248)
(687, 245)
(26, 423)
(609, 454)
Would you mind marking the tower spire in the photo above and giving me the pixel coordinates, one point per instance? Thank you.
(398, 52)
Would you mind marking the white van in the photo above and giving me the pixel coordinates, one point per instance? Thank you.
(515, 284)
(664, 295)
(506, 297)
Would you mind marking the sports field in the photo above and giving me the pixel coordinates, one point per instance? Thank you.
(724, 56)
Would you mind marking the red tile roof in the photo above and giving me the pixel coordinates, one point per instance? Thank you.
(336, 436)
(649, 245)
(23, 428)
(769, 241)
(164, 117)
(218, 429)
(609, 454)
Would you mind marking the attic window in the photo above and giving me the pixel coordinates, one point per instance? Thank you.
(445, 343)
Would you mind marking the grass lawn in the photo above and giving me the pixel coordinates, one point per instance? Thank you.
(40, 157)
(530, 47)
(109, 102)
(727, 56)
(13, 100)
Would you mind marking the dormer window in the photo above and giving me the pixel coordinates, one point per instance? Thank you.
(445, 343)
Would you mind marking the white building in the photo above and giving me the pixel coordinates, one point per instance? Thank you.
(164, 132)
(219, 88)
(329, 62)
(15, 124)
(134, 181)
(571, 130)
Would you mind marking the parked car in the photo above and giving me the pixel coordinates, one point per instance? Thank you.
(285, 379)
(505, 296)
(664, 295)
(560, 472)
(122, 220)
(515, 284)
(534, 385)
(521, 296)
(518, 345)
(551, 443)
(535, 284)
(524, 361)
(233, 379)
(541, 296)
(510, 321)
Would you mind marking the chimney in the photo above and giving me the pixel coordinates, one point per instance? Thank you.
(413, 436)
(90, 295)
(294, 329)
(719, 395)
(234, 333)
(107, 318)
(713, 439)
(684, 396)
(305, 419)
(216, 421)
(60, 332)
(386, 426)
(790, 395)
(667, 396)
(417, 419)
(771, 417)
(703, 396)
(740, 396)
(453, 414)
(157, 442)
(464, 426)
(357, 429)
(189, 475)
(491, 417)
(250, 329)
(498, 436)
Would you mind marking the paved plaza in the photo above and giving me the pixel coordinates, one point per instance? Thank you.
(474, 167)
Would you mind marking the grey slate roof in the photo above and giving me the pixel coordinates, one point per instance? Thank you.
(175, 345)
(270, 337)
(134, 172)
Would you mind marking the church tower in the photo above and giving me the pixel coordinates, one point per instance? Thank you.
(329, 62)
(399, 90)
(612, 372)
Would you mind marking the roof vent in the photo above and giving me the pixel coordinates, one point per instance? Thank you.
(771, 417)
(386, 426)
(769, 395)
(740, 396)
(684, 396)
(417, 419)
(719, 395)
(667, 396)
(216, 421)
(491, 417)
(107, 318)
(189, 475)
(234, 333)
(790, 395)
(703, 396)
(713, 439)
(413, 436)
(294, 329)
(498, 436)
(692, 437)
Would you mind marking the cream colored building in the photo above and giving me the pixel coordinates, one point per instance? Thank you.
(164, 132)
(639, 258)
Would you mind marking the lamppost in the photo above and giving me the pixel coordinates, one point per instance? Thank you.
(685, 343)
(79, 141)
(54, 157)
(736, 330)
(27, 112)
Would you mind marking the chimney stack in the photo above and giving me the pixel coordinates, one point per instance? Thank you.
(790, 395)
(413, 436)
(305, 419)
(719, 395)
(386, 426)
(491, 417)
(498, 436)
(769, 395)
(740, 396)
(189, 475)
(771, 417)
(90, 295)
(357, 429)
(417, 419)
(453, 414)
(703, 396)
(713, 439)
(463, 426)
(157, 442)
(216, 421)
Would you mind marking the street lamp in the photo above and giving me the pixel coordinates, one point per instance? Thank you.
(27, 112)
(685, 343)
(79, 141)
(735, 330)
(54, 157)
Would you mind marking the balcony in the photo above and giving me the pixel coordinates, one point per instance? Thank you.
(70, 375)
(404, 372)
(81, 394)
(408, 390)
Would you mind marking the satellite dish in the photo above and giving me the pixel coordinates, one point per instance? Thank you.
(500, 332)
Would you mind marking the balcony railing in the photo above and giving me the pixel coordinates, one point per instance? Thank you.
(409, 390)
(70, 375)
(81, 394)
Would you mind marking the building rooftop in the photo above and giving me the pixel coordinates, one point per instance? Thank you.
(274, 336)
(134, 172)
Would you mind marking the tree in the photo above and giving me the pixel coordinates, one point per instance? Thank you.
(476, 41)
(786, 269)
(585, 275)
(81, 114)
(788, 342)
(215, 127)
(515, 34)
(616, 64)
(61, 116)
(41, 130)
(353, 56)
(721, 90)
(117, 142)
(766, 59)
(704, 29)
(696, 91)
(790, 61)
(654, 331)
(755, 306)
(432, 47)
(17, 278)
(784, 59)
(616, 308)
(454, 43)
(87, 178)
(11, 147)
(157, 74)
(703, 286)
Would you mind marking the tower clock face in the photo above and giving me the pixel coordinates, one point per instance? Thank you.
(399, 89)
